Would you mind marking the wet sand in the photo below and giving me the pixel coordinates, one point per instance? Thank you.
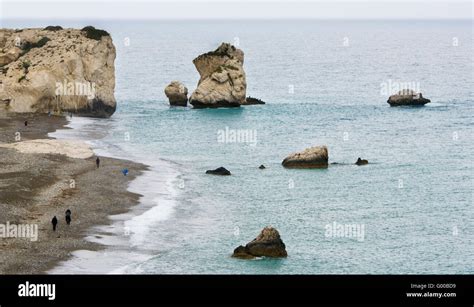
(36, 187)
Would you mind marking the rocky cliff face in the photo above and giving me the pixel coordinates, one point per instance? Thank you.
(57, 70)
(222, 82)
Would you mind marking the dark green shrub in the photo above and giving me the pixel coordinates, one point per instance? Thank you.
(28, 46)
(94, 33)
(53, 28)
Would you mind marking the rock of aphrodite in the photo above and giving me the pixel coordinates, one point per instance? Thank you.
(267, 244)
(313, 157)
(222, 82)
(177, 94)
(407, 98)
(58, 70)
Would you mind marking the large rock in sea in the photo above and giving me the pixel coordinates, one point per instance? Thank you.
(177, 94)
(58, 70)
(313, 157)
(222, 82)
(267, 244)
(407, 98)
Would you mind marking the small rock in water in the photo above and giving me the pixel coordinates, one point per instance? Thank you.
(314, 157)
(361, 161)
(262, 167)
(177, 94)
(251, 100)
(267, 244)
(222, 171)
(407, 97)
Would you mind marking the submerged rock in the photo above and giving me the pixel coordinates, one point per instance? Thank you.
(262, 167)
(177, 94)
(58, 70)
(251, 100)
(219, 171)
(361, 161)
(313, 157)
(222, 82)
(407, 98)
(267, 244)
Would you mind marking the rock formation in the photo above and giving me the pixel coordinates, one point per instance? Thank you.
(251, 100)
(407, 98)
(222, 82)
(219, 171)
(313, 157)
(361, 161)
(177, 94)
(267, 244)
(262, 167)
(57, 70)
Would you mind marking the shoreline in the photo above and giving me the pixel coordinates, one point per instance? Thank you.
(124, 240)
(35, 187)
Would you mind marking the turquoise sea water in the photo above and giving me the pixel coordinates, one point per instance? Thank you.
(322, 81)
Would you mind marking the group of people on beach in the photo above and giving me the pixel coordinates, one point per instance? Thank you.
(54, 221)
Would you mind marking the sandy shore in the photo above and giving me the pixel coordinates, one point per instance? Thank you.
(35, 187)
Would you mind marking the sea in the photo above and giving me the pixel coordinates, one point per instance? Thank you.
(409, 211)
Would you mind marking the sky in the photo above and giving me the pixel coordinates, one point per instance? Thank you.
(232, 9)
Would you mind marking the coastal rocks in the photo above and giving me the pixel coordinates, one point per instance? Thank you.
(251, 100)
(222, 171)
(58, 70)
(361, 161)
(407, 98)
(177, 94)
(222, 82)
(267, 244)
(313, 157)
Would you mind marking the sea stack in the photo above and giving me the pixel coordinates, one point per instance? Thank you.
(407, 98)
(222, 82)
(58, 70)
(267, 244)
(313, 157)
(177, 94)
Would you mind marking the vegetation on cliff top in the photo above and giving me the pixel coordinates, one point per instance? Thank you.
(94, 33)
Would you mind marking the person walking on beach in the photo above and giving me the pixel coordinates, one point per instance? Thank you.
(54, 221)
(97, 162)
(68, 216)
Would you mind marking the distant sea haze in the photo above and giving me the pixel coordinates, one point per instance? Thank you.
(325, 83)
